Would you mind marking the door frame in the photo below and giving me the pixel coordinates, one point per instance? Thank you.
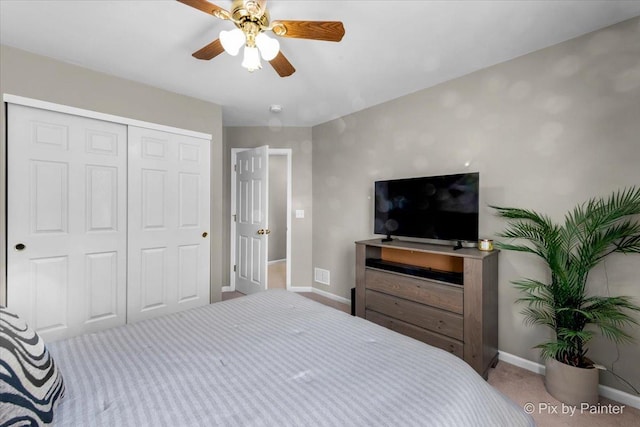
(232, 259)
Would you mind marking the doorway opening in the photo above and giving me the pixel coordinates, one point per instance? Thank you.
(278, 272)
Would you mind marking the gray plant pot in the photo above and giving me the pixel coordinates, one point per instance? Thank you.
(571, 385)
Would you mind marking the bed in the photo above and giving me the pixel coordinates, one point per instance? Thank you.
(269, 359)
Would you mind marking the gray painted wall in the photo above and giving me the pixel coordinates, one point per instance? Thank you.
(299, 141)
(34, 76)
(546, 131)
(277, 207)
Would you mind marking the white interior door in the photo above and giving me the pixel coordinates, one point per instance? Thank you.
(66, 221)
(169, 245)
(252, 208)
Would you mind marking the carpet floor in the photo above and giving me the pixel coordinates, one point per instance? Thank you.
(526, 388)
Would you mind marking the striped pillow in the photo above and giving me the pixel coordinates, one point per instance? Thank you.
(30, 384)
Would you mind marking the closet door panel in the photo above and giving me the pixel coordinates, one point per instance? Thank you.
(49, 286)
(102, 278)
(153, 279)
(153, 190)
(66, 221)
(49, 197)
(168, 223)
(102, 199)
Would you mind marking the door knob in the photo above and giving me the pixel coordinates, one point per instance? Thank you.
(20, 247)
(205, 234)
(261, 231)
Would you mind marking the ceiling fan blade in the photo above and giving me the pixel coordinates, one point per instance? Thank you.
(331, 31)
(208, 8)
(282, 65)
(210, 51)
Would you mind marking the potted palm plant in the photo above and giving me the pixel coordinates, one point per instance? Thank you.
(591, 231)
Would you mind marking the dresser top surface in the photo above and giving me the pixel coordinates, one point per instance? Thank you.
(429, 248)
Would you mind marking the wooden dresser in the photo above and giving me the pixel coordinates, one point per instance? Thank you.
(444, 297)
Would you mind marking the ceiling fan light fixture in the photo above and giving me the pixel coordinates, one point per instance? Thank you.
(252, 18)
(251, 59)
(232, 41)
(253, 7)
(268, 46)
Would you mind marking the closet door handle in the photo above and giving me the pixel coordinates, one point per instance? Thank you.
(205, 234)
(20, 247)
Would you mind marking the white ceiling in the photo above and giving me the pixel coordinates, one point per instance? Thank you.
(391, 48)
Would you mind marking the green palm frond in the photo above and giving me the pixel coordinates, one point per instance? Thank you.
(518, 248)
(614, 333)
(623, 236)
(531, 286)
(517, 213)
(598, 213)
(630, 245)
(568, 335)
(611, 311)
(596, 303)
(535, 316)
(556, 350)
(590, 232)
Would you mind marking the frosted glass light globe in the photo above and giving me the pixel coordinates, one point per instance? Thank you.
(251, 59)
(268, 47)
(232, 41)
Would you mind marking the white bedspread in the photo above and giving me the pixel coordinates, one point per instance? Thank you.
(270, 359)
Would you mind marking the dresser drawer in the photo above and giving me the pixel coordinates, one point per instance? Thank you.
(433, 319)
(449, 344)
(446, 297)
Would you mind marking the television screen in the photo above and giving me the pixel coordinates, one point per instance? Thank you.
(436, 207)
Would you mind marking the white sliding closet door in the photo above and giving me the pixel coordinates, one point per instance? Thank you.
(168, 223)
(66, 221)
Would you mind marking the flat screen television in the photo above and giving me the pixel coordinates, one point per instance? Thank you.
(441, 207)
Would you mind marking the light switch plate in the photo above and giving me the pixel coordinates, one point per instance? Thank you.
(299, 213)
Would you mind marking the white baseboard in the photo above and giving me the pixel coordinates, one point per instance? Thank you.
(227, 289)
(604, 391)
(300, 289)
(276, 261)
(521, 362)
(331, 296)
(320, 292)
(619, 396)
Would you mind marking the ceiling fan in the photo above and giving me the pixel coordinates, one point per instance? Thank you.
(252, 21)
